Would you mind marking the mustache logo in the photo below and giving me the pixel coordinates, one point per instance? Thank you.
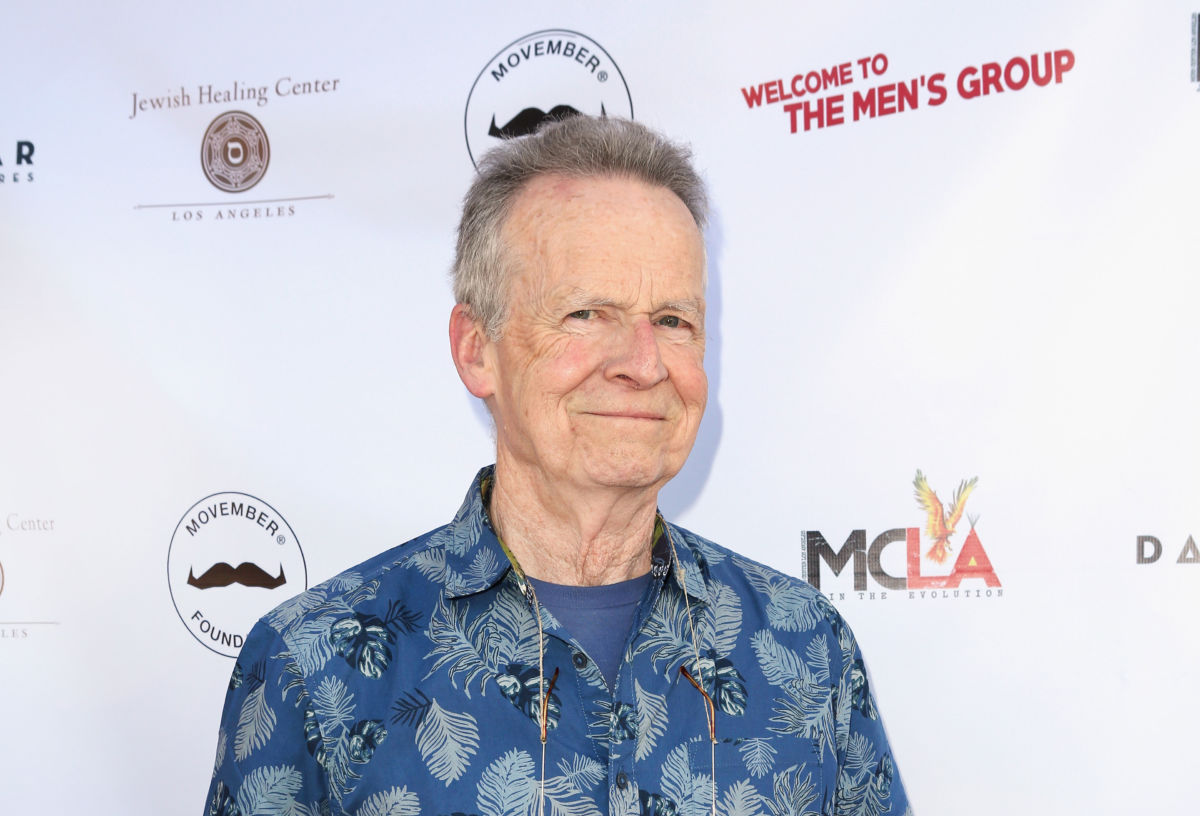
(530, 119)
(245, 573)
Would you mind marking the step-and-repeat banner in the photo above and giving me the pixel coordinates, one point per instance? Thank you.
(953, 275)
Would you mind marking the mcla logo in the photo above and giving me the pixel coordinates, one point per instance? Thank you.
(972, 561)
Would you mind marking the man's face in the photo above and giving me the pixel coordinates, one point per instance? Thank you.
(599, 376)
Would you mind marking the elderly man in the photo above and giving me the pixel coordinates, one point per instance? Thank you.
(559, 647)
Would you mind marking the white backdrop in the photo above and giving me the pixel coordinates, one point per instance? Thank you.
(1000, 286)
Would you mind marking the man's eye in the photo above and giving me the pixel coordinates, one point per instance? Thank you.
(671, 321)
(583, 314)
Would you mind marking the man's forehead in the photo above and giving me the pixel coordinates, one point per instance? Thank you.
(550, 193)
(606, 240)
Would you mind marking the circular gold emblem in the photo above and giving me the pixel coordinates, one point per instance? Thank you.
(235, 152)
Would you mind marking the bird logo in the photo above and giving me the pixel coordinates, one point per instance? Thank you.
(938, 525)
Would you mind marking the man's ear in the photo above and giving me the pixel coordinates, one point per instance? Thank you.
(468, 344)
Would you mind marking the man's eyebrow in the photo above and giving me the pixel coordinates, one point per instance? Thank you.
(581, 298)
(689, 306)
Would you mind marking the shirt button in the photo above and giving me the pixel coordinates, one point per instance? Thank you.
(579, 659)
(622, 780)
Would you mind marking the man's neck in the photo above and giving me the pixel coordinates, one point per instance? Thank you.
(568, 537)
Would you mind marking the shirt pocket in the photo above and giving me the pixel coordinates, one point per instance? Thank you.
(783, 770)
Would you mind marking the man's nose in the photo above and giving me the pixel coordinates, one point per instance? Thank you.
(635, 357)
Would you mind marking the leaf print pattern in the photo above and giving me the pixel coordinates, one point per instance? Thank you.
(364, 738)
(345, 582)
(312, 645)
(453, 646)
(482, 566)
(624, 723)
(511, 631)
(688, 792)
(668, 633)
(625, 802)
(741, 800)
(365, 643)
(328, 737)
(392, 802)
(432, 564)
(860, 697)
(411, 708)
(255, 723)
(447, 741)
(584, 772)
(789, 607)
(294, 609)
(506, 787)
(522, 686)
(269, 791)
(411, 684)
(652, 719)
(868, 781)
(727, 618)
(654, 804)
(804, 712)
(222, 737)
(221, 801)
(759, 756)
(780, 665)
(731, 695)
(793, 795)
(334, 704)
(565, 799)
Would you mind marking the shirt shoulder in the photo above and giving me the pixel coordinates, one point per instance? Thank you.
(409, 571)
(791, 608)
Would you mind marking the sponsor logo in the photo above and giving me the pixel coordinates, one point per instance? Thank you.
(827, 96)
(16, 167)
(16, 625)
(17, 523)
(11, 630)
(234, 149)
(545, 75)
(232, 558)
(242, 92)
(879, 574)
(1150, 549)
(235, 152)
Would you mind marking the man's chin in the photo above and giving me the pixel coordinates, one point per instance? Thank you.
(630, 475)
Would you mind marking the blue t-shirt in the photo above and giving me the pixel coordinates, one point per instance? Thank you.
(599, 617)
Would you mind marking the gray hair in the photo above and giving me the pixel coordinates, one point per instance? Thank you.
(578, 147)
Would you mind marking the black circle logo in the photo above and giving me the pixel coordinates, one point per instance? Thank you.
(548, 74)
(235, 152)
(232, 558)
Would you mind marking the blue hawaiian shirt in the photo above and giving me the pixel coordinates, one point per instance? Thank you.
(411, 684)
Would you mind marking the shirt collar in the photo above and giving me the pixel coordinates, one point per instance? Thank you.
(477, 560)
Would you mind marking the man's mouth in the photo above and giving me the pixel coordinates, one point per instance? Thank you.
(650, 415)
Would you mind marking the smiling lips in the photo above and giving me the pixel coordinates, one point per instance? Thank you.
(626, 414)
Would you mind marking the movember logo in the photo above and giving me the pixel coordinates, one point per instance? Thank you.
(245, 573)
(549, 74)
(530, 119)
(216, 601)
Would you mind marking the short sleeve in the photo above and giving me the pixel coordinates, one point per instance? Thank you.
(263, 763)
(868, 781)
